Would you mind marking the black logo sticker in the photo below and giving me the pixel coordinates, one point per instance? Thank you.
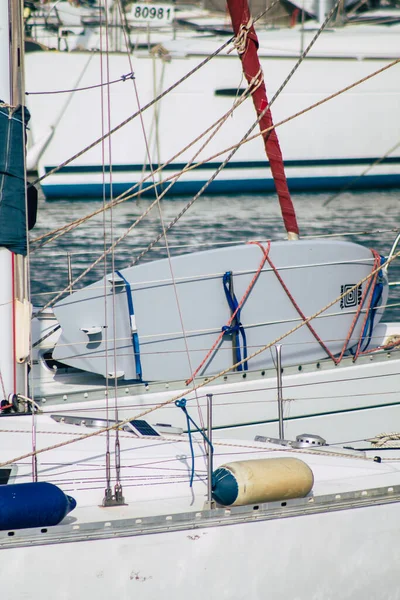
(351, 299)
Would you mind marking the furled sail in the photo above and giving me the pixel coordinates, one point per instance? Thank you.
(12, 181)
(244, 31)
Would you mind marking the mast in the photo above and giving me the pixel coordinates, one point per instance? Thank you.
(241, 18)
(15, 312)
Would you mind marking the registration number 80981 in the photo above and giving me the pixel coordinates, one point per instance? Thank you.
(157, 13)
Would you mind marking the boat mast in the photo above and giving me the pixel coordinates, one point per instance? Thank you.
(242, 26)
(17, 83)
(14, 306)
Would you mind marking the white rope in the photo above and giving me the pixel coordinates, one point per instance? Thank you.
(386, 440)
(240, 42)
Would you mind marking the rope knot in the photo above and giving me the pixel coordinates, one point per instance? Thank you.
(127, 76)
(181, 403)
(240, 41)
(231, 329)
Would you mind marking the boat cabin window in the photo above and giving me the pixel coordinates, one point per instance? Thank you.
(4, 476)
(229, 92)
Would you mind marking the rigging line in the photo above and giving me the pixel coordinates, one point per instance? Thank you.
(169, 256)
(140, 110)
(301, 58)
(251, 138)
(131, 117)
(219, 124)
(51, 302)
(96, 262)
(123, 78)
(138, 220)
(117, 453)
(209, 380)
(110, 249)
(108, 492)
(369, 168)
(122, 197)
(149, 104)
(283, 122)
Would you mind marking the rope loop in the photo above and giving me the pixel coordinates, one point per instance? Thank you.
(235, 327)
(240, 41)
(181, 403)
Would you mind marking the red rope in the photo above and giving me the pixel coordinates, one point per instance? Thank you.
(390, 346)
(356, 316)
(265, 252)
(266, 258)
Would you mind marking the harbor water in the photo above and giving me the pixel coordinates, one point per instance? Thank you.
(371, 218)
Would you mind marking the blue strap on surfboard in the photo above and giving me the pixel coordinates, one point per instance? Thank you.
(236, 327)
(132, 320)
(375, 302)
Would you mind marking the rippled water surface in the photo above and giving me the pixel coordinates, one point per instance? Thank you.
(369, 217)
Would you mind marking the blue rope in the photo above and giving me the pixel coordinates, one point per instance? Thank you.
(135, 336)
(235, 328)
(376, 298)
(182, 404)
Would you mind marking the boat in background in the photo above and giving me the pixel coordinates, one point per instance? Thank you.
(352, 139)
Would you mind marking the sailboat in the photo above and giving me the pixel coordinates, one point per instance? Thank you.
(284, 518)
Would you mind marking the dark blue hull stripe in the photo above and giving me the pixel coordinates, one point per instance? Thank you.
(244, 165)
(232, 186)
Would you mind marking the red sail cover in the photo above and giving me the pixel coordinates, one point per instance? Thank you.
(240, 15)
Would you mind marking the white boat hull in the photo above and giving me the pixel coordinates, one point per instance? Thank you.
(343, 551)
(325, 148)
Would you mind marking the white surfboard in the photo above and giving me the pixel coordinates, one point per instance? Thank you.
(178, 317)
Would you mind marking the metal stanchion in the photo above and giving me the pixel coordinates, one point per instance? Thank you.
(210, 502)
(278, 349)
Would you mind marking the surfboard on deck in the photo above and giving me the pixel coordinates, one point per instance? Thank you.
(315, 272)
